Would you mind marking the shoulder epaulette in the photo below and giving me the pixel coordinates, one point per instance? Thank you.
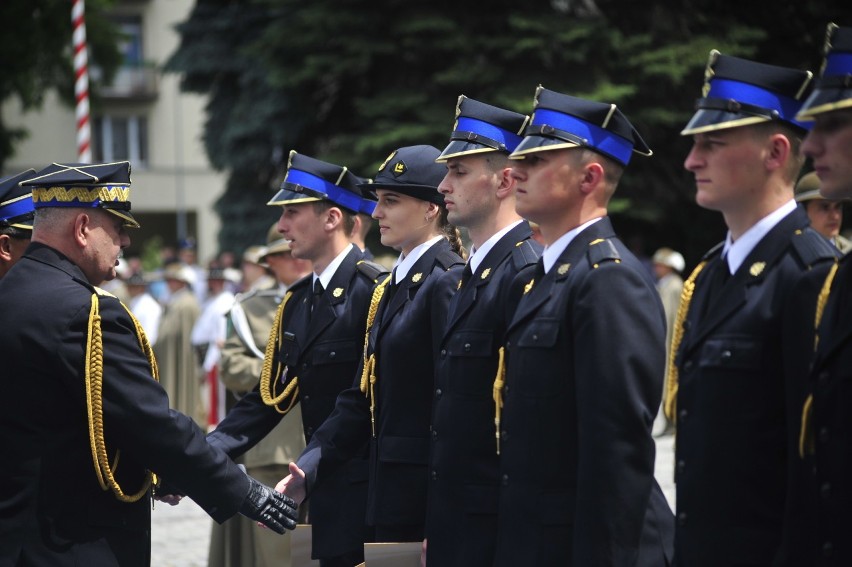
(525, 253)
(371, 269)
(447, 259)
(812, 248)
(602, 250)
(103, 292)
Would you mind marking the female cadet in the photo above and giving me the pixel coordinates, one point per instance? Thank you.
(389, 405)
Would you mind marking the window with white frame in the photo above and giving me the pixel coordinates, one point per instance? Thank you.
(118, 137)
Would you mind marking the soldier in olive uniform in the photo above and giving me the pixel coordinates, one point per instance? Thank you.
(584, 358)
(733, 396)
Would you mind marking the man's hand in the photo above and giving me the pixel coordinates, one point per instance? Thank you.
(293, 485)
(269, 508)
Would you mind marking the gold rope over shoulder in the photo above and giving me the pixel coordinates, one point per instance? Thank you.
(273, 345)
(670, 402)
(368, 375)
(94, 402)
(497, 394)
(806, 435)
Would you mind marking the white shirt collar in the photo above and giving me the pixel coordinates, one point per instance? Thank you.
(404, 263)
(480, 253)
(737, 252)
(328, 272)
(555, 250)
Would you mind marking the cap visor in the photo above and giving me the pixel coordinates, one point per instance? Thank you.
(286, 197)
(129, 221)
(825, 100)
(458, 148)
(710, 120)
(532, 144)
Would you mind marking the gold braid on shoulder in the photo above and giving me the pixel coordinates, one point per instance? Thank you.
(670, 402)
(271, 367)
(806, 436)
(368, 375)
(497, 392)
(94, 375)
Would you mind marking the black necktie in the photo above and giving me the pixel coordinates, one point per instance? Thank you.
(318, 289)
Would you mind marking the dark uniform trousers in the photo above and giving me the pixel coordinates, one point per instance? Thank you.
(463, 487)
(828, 479)
(585, 360)
(739, 400)
(403, 338)
(53, 512)
(323, 350)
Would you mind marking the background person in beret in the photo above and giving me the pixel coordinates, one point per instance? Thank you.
(584, 358)
(735, 400)
(315, 346)
(389, 404)
(826, 420)
(826, 215)
(16, 219)
(84, 432)
(479, 192)
(238, 542)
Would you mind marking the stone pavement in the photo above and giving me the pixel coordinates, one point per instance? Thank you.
(180, 534)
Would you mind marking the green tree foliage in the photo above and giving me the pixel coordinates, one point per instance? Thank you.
(37, 55)
(350, 80)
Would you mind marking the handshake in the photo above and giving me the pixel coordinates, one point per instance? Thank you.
(270, 508)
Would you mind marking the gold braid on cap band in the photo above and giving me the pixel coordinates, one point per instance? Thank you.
(368, 375)
(670, 403)
(273, 346)
(497, 394)
(95, 404)
(806, 435)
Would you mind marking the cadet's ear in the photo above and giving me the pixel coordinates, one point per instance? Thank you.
(5, 247)
(593, 175)
(779, 152)
(507, 183)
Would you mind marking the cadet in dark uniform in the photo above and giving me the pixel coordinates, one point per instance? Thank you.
(16, 219)
(315, 346)
(479, 192)
(827, 420)
(389, 406)
(584, 358)
(84, 424)
(732, 394)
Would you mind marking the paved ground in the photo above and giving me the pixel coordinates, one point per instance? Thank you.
(180, 534)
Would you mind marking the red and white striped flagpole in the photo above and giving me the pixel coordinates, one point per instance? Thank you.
(81, 82)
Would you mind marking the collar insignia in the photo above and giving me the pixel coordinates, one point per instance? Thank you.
(757, 268)
(563, 269)
(338, 291)
(529, 286)
(417, 277)
(485, 273)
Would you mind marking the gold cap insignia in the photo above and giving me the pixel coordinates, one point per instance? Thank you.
(417, 277)
(529, 286)
(399, 168)
(485, 273)
(338, 291)
(757, 268)
(563, 269)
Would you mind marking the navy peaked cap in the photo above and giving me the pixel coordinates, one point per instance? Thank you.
(412, 171)
(310, 180)
(482, 128)
(739, 92)
(16, 201)
(833, 89)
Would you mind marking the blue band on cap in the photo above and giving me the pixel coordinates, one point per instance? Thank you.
(325, 188)
(750, 94)
(17, 208)
(367, 206)
(838, 64)
(595, 136)
(509, 139)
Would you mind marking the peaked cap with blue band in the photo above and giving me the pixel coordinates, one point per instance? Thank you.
(834, 87)
(482, 128)
(411, 171)
(16, 202)
(739, 92)
(81, 185)
(562, 121)
(310, 180)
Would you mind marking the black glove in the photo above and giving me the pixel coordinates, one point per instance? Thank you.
(270, 508)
